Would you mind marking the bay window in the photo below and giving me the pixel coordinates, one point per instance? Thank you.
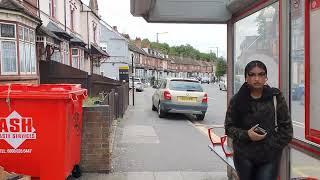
(82, 59)
(65, 53)
(8, 50)
(27, 51)
(77, 58)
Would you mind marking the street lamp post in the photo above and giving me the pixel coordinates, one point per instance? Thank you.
(158, 42)
(217, 50)
(158, 35)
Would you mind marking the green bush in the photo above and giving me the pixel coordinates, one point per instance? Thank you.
(90, 100)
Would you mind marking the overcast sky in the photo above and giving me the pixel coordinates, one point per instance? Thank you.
(201, 36)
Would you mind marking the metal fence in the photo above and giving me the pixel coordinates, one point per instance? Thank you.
(118, 99)
(115, 93)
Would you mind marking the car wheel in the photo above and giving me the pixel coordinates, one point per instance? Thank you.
(160, 112)
(153, 108)
(200, 117)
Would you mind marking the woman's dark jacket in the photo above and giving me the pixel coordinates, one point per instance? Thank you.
(244, 112)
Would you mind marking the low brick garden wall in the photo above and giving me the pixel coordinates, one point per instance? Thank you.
(96, 132)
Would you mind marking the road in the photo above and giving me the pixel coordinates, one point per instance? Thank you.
(175, 144)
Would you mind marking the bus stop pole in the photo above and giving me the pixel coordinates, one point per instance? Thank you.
(132, 76)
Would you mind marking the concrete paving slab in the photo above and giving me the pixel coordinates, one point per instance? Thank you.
(140, 176)
(203, 176)
(168, 176)
(138, 134)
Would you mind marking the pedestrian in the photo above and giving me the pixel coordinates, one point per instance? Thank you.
(258, 135)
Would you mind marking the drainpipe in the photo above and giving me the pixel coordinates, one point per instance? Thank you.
(65, 15)
(91, 64)
(88, 28)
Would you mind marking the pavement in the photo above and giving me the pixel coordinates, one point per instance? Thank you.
(174, 175)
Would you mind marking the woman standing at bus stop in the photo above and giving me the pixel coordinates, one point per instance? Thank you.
(258, 135)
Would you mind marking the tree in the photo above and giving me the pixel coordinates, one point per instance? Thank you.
(182, 50)
(163, 47)
(145, 43)
(221, 67)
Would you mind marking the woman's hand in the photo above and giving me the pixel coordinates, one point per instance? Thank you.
(255, 136)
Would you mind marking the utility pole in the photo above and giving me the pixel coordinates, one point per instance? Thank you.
(132, 76)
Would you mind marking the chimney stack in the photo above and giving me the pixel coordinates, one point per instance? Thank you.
(137, 42)
(115, 28)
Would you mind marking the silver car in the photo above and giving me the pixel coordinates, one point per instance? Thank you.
(138, 85)
(176, 95)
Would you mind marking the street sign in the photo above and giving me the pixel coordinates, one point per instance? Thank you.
(124, 73)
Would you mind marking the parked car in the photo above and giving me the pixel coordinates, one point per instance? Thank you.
(177, 95)
(297, 92)
(138, 85)
(205, 80)
(223, 85)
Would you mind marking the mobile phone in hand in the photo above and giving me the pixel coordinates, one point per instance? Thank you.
(260, 130)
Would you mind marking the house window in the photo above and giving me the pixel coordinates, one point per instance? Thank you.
(75, 58)
(27, 50)
(8, 49)
(72, 19)
(65, 53)
(82, 59)
(94, 33)
(53, 8)
(56, 56)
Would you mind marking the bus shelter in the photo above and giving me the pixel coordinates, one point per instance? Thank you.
(285, 35)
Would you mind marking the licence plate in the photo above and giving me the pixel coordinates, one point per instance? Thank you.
(187, 99)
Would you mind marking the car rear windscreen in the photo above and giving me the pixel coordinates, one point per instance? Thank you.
(183, 85)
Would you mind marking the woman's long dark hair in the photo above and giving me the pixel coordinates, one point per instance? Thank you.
(253, 64)
(243, 96)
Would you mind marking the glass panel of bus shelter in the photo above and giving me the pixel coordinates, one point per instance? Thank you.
(303, 165)
(314, 81)
(297, 67)
(257, 38)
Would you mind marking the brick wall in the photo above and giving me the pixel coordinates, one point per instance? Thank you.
(96, 131)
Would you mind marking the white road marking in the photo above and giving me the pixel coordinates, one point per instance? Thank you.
(211, 98)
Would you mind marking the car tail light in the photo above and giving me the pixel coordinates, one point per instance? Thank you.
(167, 95)
(205, 98)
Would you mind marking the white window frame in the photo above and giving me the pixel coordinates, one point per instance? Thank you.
(82, 60)
(65, 53)
(52, 8)
(75, 56)
(30, 43)
(8, 39)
